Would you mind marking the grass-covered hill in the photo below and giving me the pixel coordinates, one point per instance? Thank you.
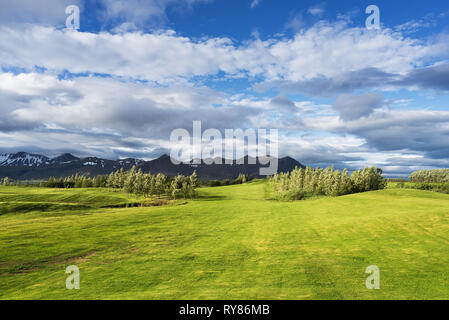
(230, 243)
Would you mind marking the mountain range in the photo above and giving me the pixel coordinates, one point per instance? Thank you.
(29, 166)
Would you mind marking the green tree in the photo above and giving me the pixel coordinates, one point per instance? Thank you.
(160, 184)
(139, 185)
(176, 186)
(6, 181)
(130, 181)
(193, 184)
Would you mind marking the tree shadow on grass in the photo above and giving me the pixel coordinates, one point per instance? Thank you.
(209, 197)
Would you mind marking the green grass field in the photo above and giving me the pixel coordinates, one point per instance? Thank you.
(230, 243)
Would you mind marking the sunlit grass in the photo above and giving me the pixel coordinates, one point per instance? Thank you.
(230, 243)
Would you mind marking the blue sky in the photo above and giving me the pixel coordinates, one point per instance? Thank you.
(238, 20)
(135, 70)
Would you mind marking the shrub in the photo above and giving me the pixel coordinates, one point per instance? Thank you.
(430, 176)
(214, 183)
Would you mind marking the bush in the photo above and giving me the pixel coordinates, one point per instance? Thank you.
(400, 184)
(436, 187)
(430, 176)
(294, 195)
(214, 183)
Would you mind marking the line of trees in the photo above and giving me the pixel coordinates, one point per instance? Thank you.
(430, 176)
(242, 178)
(132, 182)
(328, 182)
(76, 181)
(148, 185)
(6, 181)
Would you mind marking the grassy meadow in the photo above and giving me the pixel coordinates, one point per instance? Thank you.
(229, 243)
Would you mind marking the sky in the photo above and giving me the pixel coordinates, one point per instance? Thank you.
(339, 93)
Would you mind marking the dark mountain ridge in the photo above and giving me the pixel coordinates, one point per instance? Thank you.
(28, 166)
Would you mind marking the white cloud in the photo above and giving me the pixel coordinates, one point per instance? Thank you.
(322, 50)
(353, 107)
(156, 57)
(295, 23)
(255, 3)
(395, 130)
(110, 110)
(316, 10)
(332, 49)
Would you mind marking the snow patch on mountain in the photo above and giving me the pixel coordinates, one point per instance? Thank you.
(23, 159)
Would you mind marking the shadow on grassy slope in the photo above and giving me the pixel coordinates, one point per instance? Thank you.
(24, 207)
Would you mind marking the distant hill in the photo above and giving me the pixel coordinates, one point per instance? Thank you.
(28, 166)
